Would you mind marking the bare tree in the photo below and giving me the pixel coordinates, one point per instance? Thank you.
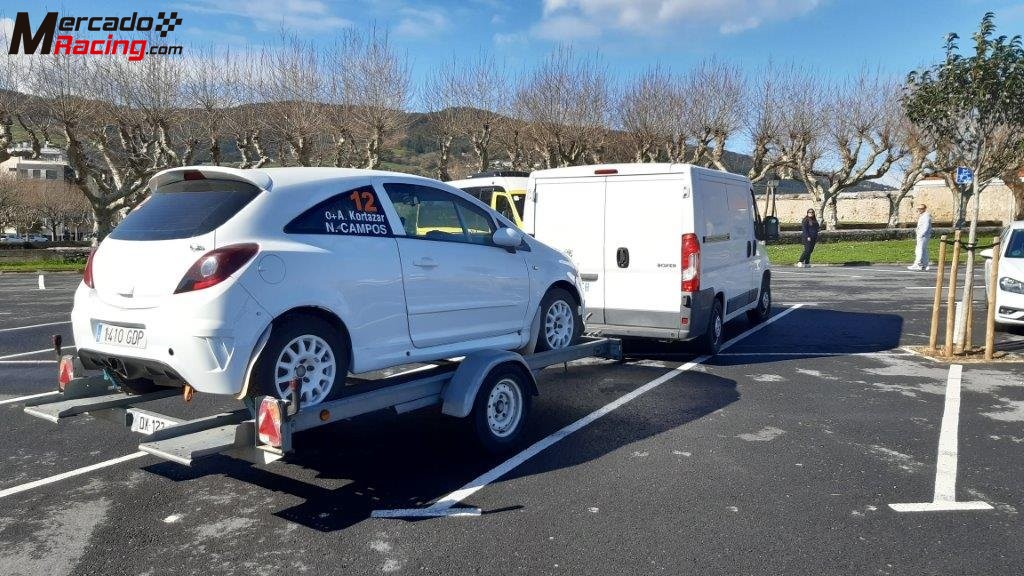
(918, 161)
(713, 96)
(566, 105)
(762, 119)
(482, 92)
(377, 79)
(292, 87)
(246, 120)
(10, 202)
(442, 100)
(838, 138)
(646, 115)
(210, 93)
(53, 203)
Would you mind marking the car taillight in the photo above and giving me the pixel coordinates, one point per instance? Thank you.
(215, 266)
(87, 275)
(268, 422)
(66, 372)
(690, 263)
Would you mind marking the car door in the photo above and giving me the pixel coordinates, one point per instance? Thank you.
(748, 267)
(459, 286)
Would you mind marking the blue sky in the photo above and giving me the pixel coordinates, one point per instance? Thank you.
(839, 36)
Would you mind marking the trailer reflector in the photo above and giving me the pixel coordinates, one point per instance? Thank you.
(268, 422)
(66, 371)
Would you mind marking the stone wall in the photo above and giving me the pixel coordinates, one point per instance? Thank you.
(873, 207)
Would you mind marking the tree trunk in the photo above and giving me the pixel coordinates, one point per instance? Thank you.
(972, 237)
(894, 211)
(215, 151)
(829, 213)
(102, 222)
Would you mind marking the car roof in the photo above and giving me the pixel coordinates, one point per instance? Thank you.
(275, 178)
(1016, 225)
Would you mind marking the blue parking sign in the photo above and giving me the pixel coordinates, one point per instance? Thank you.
(964, 175)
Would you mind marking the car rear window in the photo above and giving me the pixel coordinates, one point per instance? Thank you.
(185, 209)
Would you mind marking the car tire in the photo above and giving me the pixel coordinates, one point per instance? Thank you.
(306, 341)
(711, 341)
(501, 409)
(764, 303)
(558, 309)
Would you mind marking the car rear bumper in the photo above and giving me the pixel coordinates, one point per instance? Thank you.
(689, 322)
(205, 340)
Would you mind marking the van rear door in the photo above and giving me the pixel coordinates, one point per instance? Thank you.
(643, 231)
(568, 215)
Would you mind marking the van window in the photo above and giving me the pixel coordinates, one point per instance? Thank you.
(483, 193)
(434, 214)
(520, 199)
(504, 207)
(185, 209)
(355, 212)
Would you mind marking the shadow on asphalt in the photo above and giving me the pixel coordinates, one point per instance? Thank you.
(807, 332)
(385, 461)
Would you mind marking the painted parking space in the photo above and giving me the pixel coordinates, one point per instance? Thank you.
(780, 455)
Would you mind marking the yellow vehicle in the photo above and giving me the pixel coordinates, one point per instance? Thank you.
(504, 191)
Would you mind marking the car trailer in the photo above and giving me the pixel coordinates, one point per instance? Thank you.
(491, 388)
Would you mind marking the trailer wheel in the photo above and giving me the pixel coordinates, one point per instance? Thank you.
(560, 323)
(764, 303)
(711, 341)
(500, 410)
(307, 348)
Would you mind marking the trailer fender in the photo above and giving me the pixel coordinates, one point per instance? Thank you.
(459, 395)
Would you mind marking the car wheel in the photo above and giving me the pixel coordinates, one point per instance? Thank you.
(764, 303)
(560, 323)
(307, 349)
(711, 341)
(500, 409)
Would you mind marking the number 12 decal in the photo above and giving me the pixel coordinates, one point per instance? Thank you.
(364, 201)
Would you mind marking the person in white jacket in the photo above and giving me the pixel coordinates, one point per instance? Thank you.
(924, 233)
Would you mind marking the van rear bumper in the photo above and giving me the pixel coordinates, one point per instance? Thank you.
(694, 309)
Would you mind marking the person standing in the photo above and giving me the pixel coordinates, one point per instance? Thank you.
(809, 228)
(924, 233)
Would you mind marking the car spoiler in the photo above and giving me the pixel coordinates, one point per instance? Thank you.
(257, 178)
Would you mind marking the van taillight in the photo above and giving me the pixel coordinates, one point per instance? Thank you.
(689, 261)
(215, 266)
(87, 275)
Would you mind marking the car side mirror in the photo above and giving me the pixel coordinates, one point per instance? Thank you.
(507, 238)
(768, 229)
(987, 253)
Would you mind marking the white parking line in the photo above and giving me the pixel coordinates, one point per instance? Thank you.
(34, 326)
(76, 472)
(945, 466)
(20, 354)
(442, 507)
(23, 398)
(6, 362)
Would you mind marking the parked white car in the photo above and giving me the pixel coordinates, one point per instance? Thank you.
(1010, 295)
(239, 281)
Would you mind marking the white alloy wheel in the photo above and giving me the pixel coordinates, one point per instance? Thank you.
(504, 408)
(719, 325)
(559, 325)
(310, 359)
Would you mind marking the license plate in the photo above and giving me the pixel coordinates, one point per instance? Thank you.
(147, 423)
(121, 336)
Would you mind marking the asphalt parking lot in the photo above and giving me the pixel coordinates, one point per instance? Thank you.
(779, 456)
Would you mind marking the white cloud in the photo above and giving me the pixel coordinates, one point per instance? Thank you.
(640, 16)
(421, 22)
(565, 27)
(271, 15)
(510, 39)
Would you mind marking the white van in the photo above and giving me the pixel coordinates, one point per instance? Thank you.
(666, 251)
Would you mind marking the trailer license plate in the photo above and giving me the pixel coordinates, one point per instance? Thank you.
(121, 336)
(146, 423)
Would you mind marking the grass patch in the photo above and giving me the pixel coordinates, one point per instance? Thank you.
(40, 266)
(876, 252)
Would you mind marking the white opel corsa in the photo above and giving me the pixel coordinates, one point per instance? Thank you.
(239, 281)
